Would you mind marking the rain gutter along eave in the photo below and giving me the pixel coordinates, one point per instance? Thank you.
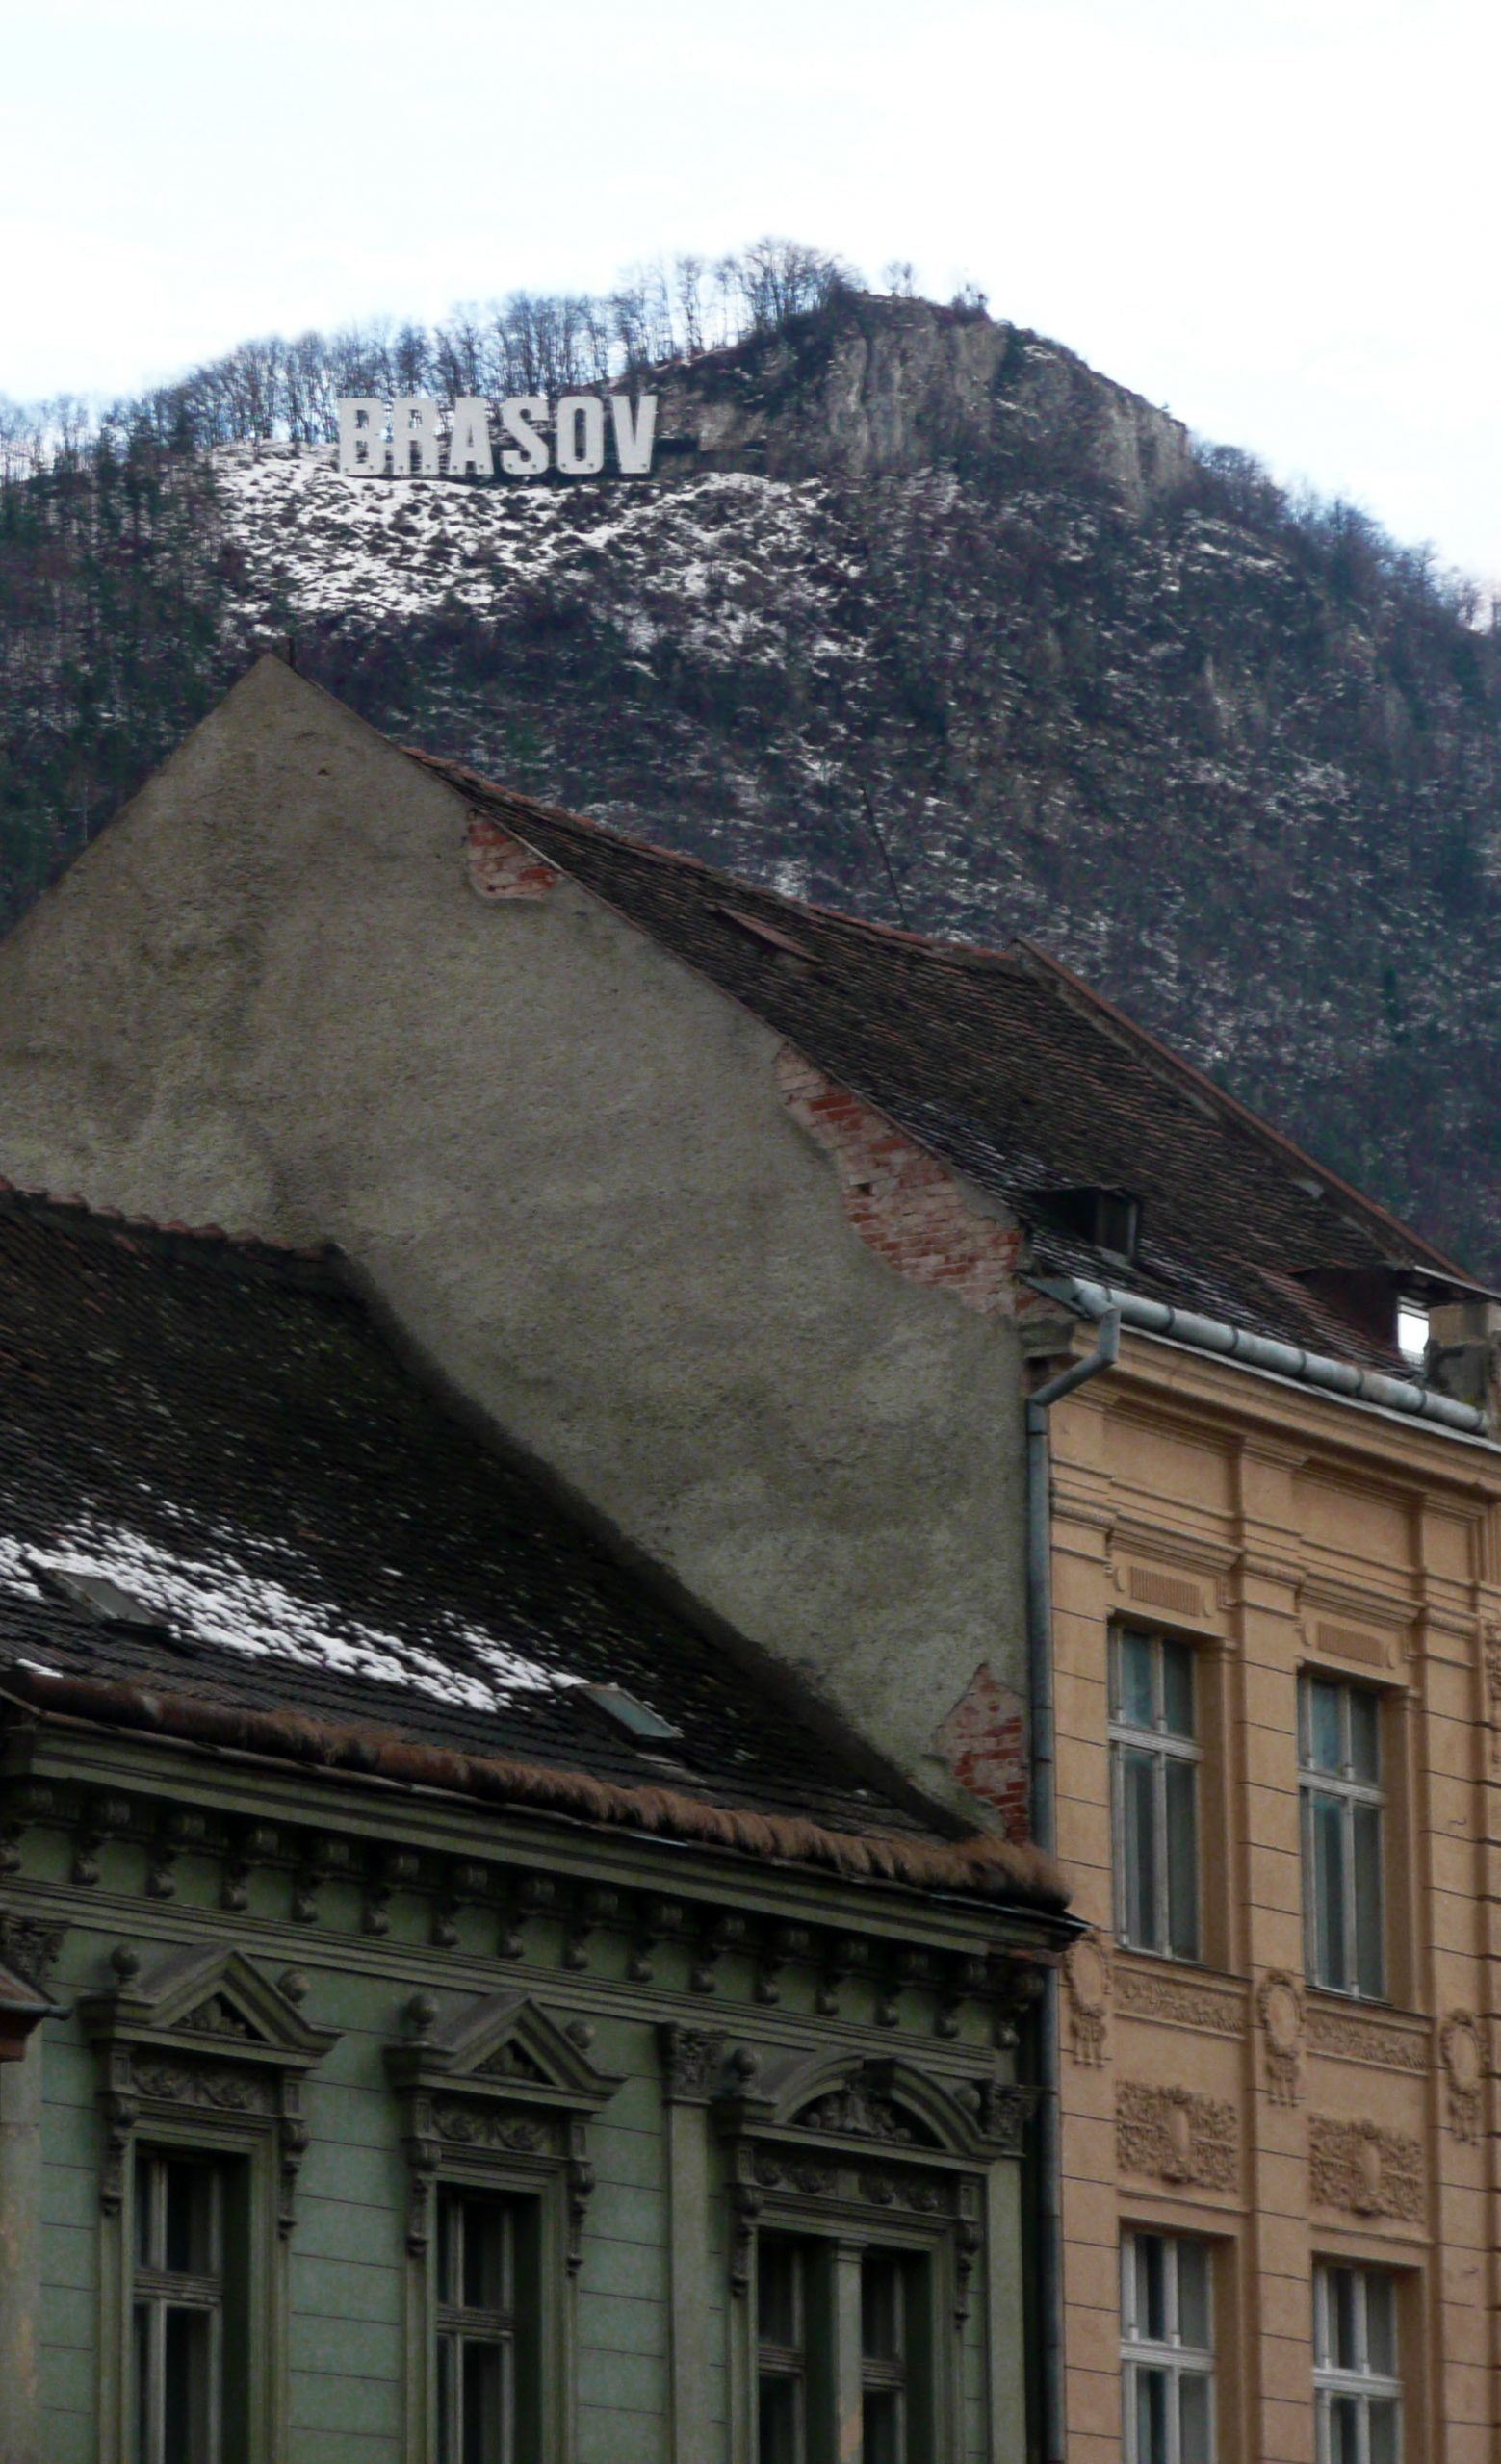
(1336, 1381)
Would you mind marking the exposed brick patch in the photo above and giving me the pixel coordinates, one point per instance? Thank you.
(905, 1205)
(500, 867)
(984, 1743)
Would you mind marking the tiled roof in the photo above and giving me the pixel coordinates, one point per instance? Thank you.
(1007, 1067)
(219, 1429)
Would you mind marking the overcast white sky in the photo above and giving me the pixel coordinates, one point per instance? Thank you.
(1278, 217)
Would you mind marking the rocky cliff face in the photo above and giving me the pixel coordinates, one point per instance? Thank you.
(889, 388)
(920, 617)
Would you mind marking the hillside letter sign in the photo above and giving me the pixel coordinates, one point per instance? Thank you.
(583, 436)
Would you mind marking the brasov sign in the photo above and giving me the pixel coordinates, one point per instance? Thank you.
(533, 437)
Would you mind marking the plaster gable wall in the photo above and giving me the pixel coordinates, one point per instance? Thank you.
(270, 998)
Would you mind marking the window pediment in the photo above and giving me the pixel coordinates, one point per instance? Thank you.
(211, 1997)
(505, 2047)
(202, 2033)
(890, 2103)
(829, 2140)
(497, 2084)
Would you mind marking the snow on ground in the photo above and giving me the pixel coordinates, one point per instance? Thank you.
(723, 562)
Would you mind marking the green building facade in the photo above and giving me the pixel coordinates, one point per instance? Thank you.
(457, 2012)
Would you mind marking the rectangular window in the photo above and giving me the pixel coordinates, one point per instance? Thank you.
(186, 2335)
(483, 2350)
(1357, 2387)
(1339, 1757)
(1154, 1756)
(782, 2289)
(1167, 2351)
(885, 2355)
(799, 2343)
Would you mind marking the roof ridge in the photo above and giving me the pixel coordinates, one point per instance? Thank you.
(1175, 1064)
(938, 946)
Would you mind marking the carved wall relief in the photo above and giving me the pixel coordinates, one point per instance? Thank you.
(1177, 2137)
(1279, 2010)
(1463, 2055)
(1365, 2169)
(30, 1947)
(1184, 2001)
(692, 2063)
(1494, 1688)
(1359, 2036)
(1086, 1996)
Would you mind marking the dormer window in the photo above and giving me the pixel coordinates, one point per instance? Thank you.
(1412, 1329)
(1108, 1219)
(1380, 1302)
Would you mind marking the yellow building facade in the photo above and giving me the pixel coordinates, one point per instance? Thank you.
(1277, 1622)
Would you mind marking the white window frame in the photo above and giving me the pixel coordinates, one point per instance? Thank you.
(456, 2327)
(1349, 1792)
(1359, 2383)
(1175, 2359)
(156, 2290)
(1163, 1747)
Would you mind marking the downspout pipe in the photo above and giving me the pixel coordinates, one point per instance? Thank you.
(1045, 1830)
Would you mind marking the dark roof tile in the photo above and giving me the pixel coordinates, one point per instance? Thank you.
(218, 1429)
(1011, 1070)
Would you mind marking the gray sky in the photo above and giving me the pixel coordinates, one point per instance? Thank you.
(1278, 219)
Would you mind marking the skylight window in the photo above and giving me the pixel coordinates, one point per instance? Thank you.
(103, 1598)
(638, 1721)
(1412, 1329)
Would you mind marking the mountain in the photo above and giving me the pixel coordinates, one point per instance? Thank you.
(920, 617)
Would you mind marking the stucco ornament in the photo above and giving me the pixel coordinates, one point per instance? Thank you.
(1176, 2136)
(1086, 1987)
(1464, 2060)
(1365, 2169)
(1494, 1688)
(1279, 2010)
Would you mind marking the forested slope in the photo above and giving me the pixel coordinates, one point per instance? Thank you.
(920, 617)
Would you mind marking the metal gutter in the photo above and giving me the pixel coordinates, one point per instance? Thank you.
(1043, 1825)
(1405, 1395)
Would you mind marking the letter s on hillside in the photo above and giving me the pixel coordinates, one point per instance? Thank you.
(517, 412)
